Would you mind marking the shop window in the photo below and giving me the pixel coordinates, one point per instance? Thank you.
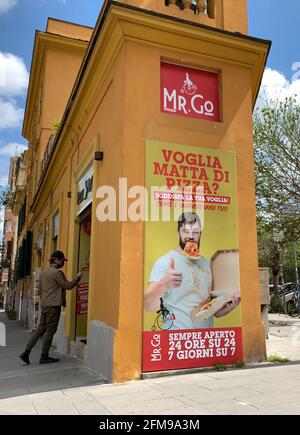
(9, 248)
(22, 216)
(28, 253)
(46, 239)
(39, 246)
(21, 264)
(8, 226)
(55, 231)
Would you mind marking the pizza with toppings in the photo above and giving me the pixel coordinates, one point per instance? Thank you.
(208, 305)
(208, 308)
(191, 250)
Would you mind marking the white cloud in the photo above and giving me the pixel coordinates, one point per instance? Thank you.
(275, 87)
(5, 5)
(12, 149)
(13, 75)
(13, 82)
(10, 115)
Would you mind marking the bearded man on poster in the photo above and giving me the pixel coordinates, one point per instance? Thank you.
(179, 284)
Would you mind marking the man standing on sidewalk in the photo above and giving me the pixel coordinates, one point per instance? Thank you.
(53, 285)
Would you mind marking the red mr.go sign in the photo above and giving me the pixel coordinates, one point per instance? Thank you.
(189, 92)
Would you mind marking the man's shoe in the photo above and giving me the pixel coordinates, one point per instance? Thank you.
(25, 357)
(48, 360)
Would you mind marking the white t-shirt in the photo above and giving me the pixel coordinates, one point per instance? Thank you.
(195, 288)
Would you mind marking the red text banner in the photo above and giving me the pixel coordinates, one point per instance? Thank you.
(82, 298)
(181, 349)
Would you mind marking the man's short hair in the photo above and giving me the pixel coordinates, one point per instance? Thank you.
(188, 218)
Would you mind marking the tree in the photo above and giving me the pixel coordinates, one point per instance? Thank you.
(6, 197)
(269, 252)
(277, 167)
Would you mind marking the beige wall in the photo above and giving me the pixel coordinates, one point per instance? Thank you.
(61, 69)
(69, 30)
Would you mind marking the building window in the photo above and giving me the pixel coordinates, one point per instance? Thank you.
(28, 253)
(55, 231)
(22, 217)
(9, 248)
(8, 226)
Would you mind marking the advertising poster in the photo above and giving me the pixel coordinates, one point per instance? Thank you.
(83, 293)
(191, 275)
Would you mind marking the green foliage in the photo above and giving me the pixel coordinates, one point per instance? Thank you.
(10, 313)
(56, 124)
(289, 260)
(239, 364)
(277, 166)
(273, 255)
(4, 262)
(276, 304)
(6, 198)
(220, 367)
(274, 358)
(277, 170)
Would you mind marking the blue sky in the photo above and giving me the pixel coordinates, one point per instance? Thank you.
(269, 19)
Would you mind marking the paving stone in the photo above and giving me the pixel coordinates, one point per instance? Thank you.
(90, 407)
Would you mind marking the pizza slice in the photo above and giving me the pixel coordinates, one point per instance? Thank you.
(191, 250)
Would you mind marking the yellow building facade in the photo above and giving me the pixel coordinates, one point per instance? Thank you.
(104, 86)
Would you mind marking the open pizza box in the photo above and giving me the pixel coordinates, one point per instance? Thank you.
(225, 283)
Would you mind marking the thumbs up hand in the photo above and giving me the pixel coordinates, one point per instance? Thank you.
(172, 279)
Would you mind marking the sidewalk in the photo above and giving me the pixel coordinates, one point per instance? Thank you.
(284, 336)
(18, 379)
(259, 389)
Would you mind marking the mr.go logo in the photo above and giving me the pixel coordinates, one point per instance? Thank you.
(189, 92)
(188, 86)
